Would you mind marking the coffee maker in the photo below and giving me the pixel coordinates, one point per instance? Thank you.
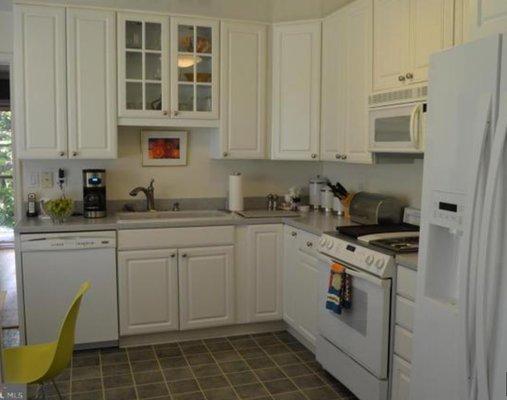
(94, 193)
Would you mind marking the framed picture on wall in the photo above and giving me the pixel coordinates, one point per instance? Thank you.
(164, 148)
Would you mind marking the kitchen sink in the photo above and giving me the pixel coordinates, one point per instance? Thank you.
(188, 215)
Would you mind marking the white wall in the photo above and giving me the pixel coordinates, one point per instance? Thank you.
(402, 180)
(202, 177)
(5, 31)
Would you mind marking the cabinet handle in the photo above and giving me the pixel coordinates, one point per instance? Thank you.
(314, 155)
(309, 244)
(176, 113)
(74, 153)
(173, 255)
(62, 154)
(294, 234)
(166, 112)
(225, 154)
(401, 78)
(410, 75)
(338, 156)
(184, 255)
(344, 157)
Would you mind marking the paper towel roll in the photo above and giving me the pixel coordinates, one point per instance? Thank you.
(236, 192)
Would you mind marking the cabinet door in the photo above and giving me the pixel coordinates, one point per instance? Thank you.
(291, 240)
(346, 83)
(194, 68)
(265, 272)
(391, 43)
(307, 295)
(400, 389)
(91, 72)
(296, 91)
(243, 90)
(431, 30)
(206, 280)
(487, 17)
(40, 82)
(148, 291)
(143, 65)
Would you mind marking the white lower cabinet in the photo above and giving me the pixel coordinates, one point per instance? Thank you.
(148, 291)
(265, 272)
(206, 282)
(400, 379)
(301, 291)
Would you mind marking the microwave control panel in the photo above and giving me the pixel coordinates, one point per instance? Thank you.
(448, 209)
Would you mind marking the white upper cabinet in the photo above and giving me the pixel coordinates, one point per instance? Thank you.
(406, 33)
(296, 91)
(346, 83)
(40, 83)
(194, 68)
(265, 256)
(143, 65)
(206, 282)
(487, 17)
(65, 83)
(91, 83)
(242, 91)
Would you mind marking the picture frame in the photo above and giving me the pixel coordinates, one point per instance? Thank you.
(164, 148)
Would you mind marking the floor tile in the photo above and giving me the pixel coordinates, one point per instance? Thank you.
(308, 381)
(244, 343)
(242, 378)
(92, 360)
(142, 378)
(253, 352)
(141, 354)
(85, 373)
(152, 390)
(305, 356)
(148, 365)
(168, 352)
(259, 363)
(251, 391)
(195, 349)
(117, 381)
(185, 386)
(177, 374)
(115, 369)
(172, 362)
(234, 366)
(220, 394)
(266, 340)
(85, 385)
(285, 337)
(113, 358)
(292, 396)
(213, 382)
(280, 386)
(324, 392)
(200, 359)
(296, 370)
(219, 346)
(201, 371)
(123, 393)
(269, 374)
(95, 395)
(224, 356)
(276, 349)
(189, 396)
(286, 359)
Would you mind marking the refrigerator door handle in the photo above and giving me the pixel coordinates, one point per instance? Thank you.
(465, 311)
(485, 314)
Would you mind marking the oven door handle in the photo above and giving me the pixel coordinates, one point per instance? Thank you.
(383, 283)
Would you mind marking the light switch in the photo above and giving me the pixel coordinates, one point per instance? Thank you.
(46, 180)
(33, 179)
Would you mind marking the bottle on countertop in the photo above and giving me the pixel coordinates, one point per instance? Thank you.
(31, 210)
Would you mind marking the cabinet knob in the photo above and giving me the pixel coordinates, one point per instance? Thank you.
(165, 112)
(173, 255)
(176, 113)
(294, 234)
(401, 78)
(309, 244)
(410, 75)
(314, 155)
(344, 157)
(338, 156)
(184, 255)
(74, 153)
(62, 154)
(225, 154)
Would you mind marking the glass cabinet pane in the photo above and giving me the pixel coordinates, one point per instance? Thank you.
(134, 65)
(134, 96)
(204, 70)
(152, 66)
(153, 35)
(186, 97)
(204, 40)
(153, 96)
(133, 34)
(203, 100)
(186, 38)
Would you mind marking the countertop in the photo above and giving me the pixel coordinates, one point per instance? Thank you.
(312, 222)
(409, 260)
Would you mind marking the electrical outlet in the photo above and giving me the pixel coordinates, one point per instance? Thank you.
(46, 180)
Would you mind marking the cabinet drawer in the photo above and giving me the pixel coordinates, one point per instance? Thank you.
(405, 313)
(403, 343)
(175, 237)
(406, 284)
(401, 379)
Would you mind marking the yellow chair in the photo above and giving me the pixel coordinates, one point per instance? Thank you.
(43, 362)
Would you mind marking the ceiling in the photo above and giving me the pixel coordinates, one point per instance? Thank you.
(258, 10)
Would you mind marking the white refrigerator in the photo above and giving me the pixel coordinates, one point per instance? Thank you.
(460, 333)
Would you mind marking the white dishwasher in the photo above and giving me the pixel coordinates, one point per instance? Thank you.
(53, 267)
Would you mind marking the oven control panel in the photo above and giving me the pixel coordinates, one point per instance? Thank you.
(375, 262)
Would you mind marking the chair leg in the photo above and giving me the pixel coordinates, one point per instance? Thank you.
(57, 390)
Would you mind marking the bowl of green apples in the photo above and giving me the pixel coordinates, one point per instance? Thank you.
(59, 209)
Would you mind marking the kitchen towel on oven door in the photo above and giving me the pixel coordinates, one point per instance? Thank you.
(339, 295)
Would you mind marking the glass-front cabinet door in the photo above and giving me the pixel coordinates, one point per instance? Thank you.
(143, 65)
(194, 68)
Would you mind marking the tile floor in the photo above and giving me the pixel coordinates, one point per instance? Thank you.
(271, 366)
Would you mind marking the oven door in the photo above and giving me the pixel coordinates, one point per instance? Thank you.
(397, 128)
(362, 331)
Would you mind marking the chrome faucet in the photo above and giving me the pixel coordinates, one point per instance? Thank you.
(150, 195)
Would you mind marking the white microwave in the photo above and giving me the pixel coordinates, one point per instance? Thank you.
(398, 128)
